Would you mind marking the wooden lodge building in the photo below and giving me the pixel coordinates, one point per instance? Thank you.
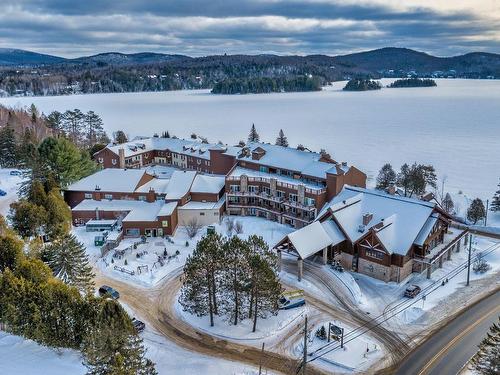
(377, 234)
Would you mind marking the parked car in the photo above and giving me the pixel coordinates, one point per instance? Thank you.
(2, 193)
(108, 291)
(138, 325)
(292, 299)
(412, 291)
(15, 173)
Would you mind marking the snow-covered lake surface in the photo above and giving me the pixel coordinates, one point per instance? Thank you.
(454, 126)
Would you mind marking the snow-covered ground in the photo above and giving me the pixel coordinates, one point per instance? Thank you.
(356, 355)
(10, 185)
(25, 357)
(266, 328)
(154, 247)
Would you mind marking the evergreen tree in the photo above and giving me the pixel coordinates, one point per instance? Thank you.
(253, 136)
(58, 214)
(94, 129)
(448, 204)
(72, 124)
(8, 147)
(69, 262)
(11, 252)
(202, 277)
(120, 137)
(27, 218)
(386, 177)
(476, 211)
(282, 139)
(235, 277)
(55, 122)
(65, 161)
(487, 359)
(495, 202)
(414, 179)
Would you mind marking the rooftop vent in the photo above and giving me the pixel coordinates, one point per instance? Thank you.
(367, 218)
(361, 228)
(97, 187)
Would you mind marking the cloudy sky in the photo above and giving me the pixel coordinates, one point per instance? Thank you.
(199, 27)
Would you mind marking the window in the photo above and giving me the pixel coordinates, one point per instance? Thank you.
(113, 161)
(202, 214)
(101, 160)
(253, 189)
(374, 254)
(198, 161)
(280, 194)
(309, 201)
(266, 190)
(135, 232)
(293, 197)
(235, 188)
(164, 223)
(142, 198)
(108, 196)
(263, 169)
(88, 195)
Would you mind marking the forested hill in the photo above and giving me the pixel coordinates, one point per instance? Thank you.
(28, 73)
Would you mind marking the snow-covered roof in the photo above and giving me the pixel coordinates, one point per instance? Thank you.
(426, 230)
(101, 222)
(305, 162)
(179, 184)
(397, 221)
(310, 239)
(137, 210)
(110, 179)
(208, 184)
(192, 205)
(159, 185)
(177, 145)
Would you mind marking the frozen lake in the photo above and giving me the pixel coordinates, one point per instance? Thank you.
(455, 126)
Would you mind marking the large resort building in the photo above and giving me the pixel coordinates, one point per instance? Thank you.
(151, 185)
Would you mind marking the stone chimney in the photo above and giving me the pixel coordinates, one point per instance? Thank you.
(151, 197)
(367, 218)
(121, 157)
(97, 213)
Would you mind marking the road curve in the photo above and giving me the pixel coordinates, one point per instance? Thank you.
(449, 349)
(156, 307)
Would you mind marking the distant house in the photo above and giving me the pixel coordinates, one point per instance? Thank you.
(378, 234)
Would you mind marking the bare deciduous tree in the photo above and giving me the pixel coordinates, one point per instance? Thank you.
(192, 227)
(238, 227)
(229, 225)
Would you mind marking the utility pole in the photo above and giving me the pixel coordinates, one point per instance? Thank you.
(305, 349)
(468, 261)
(342, 339)
(260, 361)
(486, 215)
(329, 330)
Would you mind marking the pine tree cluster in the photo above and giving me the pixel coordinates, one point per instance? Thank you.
(233, 278)
(487, 359)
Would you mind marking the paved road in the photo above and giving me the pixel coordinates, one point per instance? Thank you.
(447, 351)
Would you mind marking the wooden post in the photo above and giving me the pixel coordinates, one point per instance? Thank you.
(468, 261)
(429, 270)
(260, 360)
(329, 329)
(325, 255)
(342, 339)
(299, 269)
(441, 261)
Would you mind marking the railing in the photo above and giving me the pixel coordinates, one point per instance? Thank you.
(288, 185)
(273, 199)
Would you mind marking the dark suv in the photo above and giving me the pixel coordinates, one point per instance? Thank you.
(412, 291)
(108, 291)
(138, 325)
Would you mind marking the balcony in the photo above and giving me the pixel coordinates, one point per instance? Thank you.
(292, 184)
(270, 198)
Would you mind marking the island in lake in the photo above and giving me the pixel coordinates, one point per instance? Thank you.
(260, 85)
(362, 85)
(413, 82)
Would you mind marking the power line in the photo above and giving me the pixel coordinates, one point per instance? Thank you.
(453, 273)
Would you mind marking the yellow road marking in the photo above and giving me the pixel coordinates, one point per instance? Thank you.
(455, 339)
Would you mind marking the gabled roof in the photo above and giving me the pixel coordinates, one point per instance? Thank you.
(110, 179)
(310, 239)
(396, 221)
(305, 162)
(179, 184)
(208, 184)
